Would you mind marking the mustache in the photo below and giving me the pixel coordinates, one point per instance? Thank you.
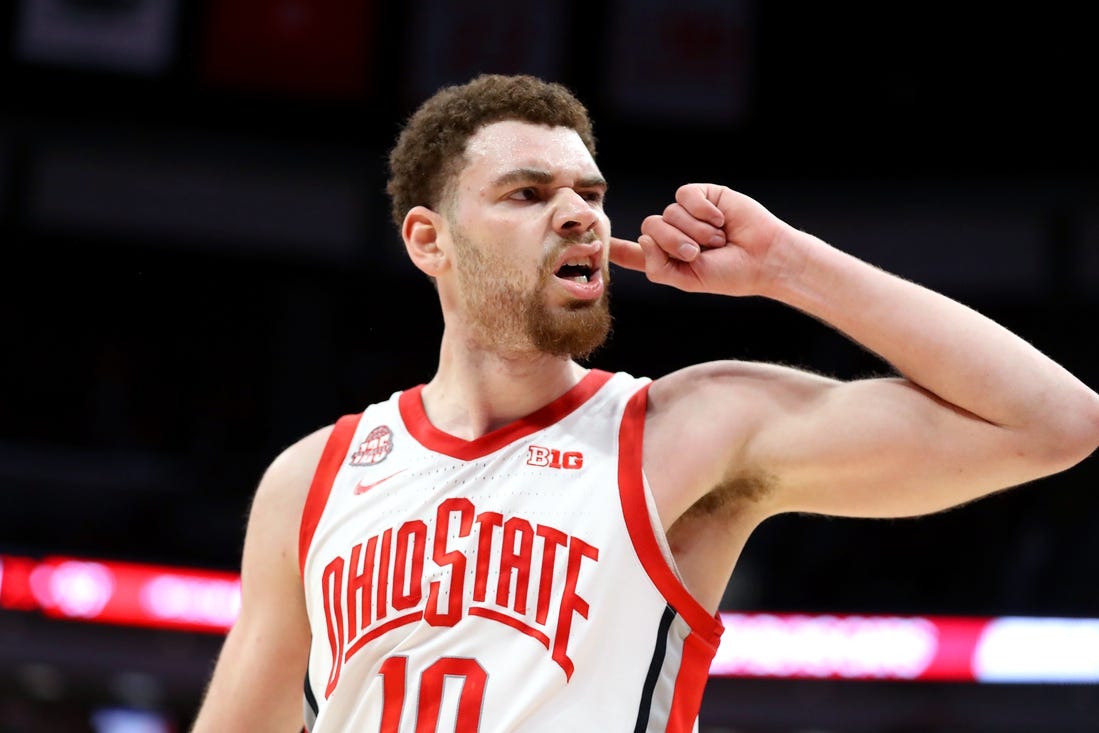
(564, 243)
(586, 237)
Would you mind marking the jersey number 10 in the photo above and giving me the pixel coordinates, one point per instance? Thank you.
(394, 677)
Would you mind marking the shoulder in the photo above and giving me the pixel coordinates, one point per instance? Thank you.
(298, 461)
(707, 406)
(730, 384)
(714, 409)
(700, 422)
(280, 497)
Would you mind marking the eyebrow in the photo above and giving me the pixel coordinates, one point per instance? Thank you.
(542, 176)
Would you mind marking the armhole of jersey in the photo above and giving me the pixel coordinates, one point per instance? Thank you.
(331, 458)
(635, 510)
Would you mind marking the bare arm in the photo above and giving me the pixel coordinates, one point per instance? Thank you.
(977, 408)
(257, 682)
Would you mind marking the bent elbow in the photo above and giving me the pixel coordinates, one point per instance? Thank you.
(1076, 434)
(1089, 437)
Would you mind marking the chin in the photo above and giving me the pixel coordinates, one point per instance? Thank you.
(577, 332)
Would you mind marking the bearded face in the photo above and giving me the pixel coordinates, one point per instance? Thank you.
(511, 316)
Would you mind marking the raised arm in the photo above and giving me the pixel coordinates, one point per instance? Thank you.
(258, 680)
(976, 409)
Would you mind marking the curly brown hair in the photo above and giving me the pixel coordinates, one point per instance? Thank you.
(430, 150)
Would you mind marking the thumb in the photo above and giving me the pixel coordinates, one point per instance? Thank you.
(628, 254)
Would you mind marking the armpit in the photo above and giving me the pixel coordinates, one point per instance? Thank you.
(729, 496)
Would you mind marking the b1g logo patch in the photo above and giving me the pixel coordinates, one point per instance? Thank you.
(553, 458)
(378, 444)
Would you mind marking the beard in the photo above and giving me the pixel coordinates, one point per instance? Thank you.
(509, 317)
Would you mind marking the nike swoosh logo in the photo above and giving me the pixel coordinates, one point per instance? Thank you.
(362, 488)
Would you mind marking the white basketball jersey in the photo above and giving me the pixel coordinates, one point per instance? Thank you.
(510, 583)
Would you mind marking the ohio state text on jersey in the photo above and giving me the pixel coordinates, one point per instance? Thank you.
(510, 583)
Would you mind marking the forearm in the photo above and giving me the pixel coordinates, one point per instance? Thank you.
(943, 346)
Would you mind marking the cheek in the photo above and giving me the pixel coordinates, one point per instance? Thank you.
(604, 224)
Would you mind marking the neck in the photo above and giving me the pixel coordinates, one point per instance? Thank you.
(475, 391)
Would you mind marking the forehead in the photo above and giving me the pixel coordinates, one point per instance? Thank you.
(510, 144)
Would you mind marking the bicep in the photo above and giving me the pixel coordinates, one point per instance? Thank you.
(880, 448)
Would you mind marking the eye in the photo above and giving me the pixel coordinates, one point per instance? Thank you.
(524, 194)
(593, 197)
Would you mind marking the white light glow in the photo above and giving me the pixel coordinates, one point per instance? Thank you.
(1014, 649)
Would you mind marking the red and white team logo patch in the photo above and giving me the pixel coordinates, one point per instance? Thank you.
(554, 458)
(378, 444)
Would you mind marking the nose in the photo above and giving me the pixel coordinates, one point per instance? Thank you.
(573, 215)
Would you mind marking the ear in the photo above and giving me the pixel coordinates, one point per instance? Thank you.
(420, 232)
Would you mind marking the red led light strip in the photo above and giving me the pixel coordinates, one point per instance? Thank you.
(919, 648)
(132, 594)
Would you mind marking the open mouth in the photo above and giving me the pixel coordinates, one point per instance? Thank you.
(578, 270)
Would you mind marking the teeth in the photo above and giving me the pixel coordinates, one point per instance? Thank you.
(581, 262)
(580, 278)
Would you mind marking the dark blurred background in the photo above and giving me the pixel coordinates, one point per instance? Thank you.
(200, 267)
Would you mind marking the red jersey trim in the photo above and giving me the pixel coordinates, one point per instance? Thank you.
(335, 450)
(418, 425)
(631, 489)
(690, 683)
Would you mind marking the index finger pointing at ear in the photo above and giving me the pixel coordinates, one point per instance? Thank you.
(628, 254)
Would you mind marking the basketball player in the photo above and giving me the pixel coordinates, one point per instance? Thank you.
(525, 544)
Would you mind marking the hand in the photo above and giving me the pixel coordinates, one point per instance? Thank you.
(712, 239)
